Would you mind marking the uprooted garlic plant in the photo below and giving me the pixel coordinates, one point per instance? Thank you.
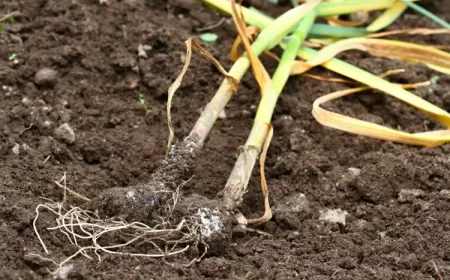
(153, 219)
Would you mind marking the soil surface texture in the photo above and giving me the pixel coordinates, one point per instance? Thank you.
(77, 98)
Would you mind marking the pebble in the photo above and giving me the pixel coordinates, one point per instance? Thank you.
(26, 147)
(16, 149)
(409, 195)
(294, 205)
(26, 101)
(334, 216)
(142, 50)
(65, 133)
(46, 76)
(445, 192)
(64, 271)
(297, 203)
(222, 115)
(354, 171)
(284, 122)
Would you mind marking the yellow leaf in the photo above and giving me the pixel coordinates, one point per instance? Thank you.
(410, 52)
(251, 33)
(387, 17)
(364, 128)
(264, 188)
(261, 75)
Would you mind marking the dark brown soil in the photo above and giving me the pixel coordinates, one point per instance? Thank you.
(118, 143)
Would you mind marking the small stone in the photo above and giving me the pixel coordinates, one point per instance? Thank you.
(334, 216)
(284, 122)
(354, 171)
(409, 195)
(64, 271)
(65, 133)
(222, 115)
(26, 147)
(297, 203)
(65, 115)
(358, 16)
(136, 70)
(290, 213)
(292, 210)
(141, 51)
(246, 113)
(26, 101)
(16, 149)
(46, 76)
(445, 193)
(46, 124)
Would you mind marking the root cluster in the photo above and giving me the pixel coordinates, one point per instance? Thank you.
(93, 236)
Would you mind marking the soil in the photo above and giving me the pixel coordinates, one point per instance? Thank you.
(397, 197)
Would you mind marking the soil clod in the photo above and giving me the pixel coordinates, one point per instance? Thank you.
(46, 77)
(65, 133)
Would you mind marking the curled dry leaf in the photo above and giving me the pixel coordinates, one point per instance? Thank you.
(364, 128)
(264, 188)
(261, 75)
(251, 33)
(191, 43)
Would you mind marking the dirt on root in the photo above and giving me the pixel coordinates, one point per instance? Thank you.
(112, 100)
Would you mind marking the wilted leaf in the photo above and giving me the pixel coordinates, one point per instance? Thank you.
(387, 17)
(364, 128)
(251, 33)
(190, 43)
(261, 75)
(414, 53)
(264, 188)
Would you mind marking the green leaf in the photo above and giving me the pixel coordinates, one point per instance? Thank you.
(209, 38)
(434, 80)
(142, 99)
(383, 235)
(11, 19)
(12, 56)
(275, 2)
(1, 27)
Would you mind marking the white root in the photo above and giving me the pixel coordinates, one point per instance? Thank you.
(90, 234)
